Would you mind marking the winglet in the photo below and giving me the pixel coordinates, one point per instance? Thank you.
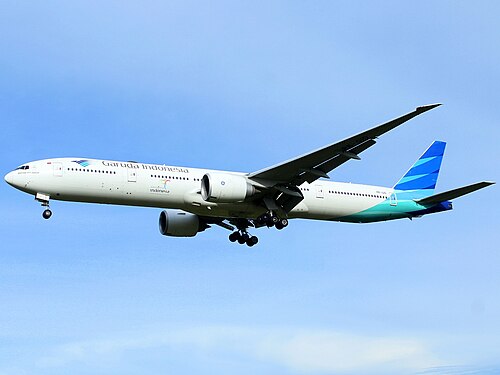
(428, 107)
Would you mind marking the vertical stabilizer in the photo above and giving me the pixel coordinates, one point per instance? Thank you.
(422, 176)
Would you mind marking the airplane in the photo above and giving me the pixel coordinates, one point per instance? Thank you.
(195, 199)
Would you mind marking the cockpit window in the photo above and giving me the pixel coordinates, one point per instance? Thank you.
(23, 167)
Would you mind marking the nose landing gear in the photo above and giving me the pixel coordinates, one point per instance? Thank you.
(44, 200)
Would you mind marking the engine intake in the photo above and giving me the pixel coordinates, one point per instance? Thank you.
(225, 188)
(177, 223)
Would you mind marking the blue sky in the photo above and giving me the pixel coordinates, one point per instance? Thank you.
(240, 86)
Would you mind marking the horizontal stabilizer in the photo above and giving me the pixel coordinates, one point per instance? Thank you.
(452, 194)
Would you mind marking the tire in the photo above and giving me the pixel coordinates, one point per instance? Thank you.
(252, 241)
(47, 214)
(233, 237)
(243, 238)
(266, 217)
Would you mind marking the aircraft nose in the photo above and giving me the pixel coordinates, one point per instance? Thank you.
(9, 178)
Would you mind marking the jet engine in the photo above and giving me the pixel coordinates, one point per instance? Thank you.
(225, 188)
(177, 223)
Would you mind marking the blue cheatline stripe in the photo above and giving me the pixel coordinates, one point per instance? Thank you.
(429, 167)
(410, 178)
(422, 161)
(386, 211)
(426, 182)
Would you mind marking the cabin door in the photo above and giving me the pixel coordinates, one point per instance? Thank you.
(320, 193)
(394, 199)
(58, 169)
(132, 175)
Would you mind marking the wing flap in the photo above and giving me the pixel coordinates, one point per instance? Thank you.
(337, 160)
(454, 193)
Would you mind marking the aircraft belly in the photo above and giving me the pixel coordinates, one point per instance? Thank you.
(383, 211)
(147, 195)
(330, 208)
(107, 191)
(227, 210)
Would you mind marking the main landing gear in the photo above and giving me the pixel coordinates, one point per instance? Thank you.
(243, 238)
(271, 220)
(241, 235)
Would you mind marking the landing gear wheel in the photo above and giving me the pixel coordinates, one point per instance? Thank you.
(233, 237)
(281, 224)
(243, 238)
(266, 217)
(252, 241)
(275, 219)
(47, 214)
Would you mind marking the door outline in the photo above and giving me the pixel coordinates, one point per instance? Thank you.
(319, 192)
(394, 199)
(131, 175)
(57, 169)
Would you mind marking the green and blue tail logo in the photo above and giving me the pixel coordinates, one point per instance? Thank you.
(420, 180)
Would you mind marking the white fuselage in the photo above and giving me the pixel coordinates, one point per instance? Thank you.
(162, 186)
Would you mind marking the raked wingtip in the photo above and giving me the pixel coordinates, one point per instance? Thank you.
(428, 107)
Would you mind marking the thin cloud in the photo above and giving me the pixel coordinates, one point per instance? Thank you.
(308, 351)
(461, 370)
(332, 352)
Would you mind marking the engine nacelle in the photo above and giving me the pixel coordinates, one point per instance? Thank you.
(225, 188)
(177, 223)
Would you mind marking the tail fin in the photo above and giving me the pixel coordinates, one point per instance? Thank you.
(423, 175)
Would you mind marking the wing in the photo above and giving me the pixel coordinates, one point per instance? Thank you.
(318, 163)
